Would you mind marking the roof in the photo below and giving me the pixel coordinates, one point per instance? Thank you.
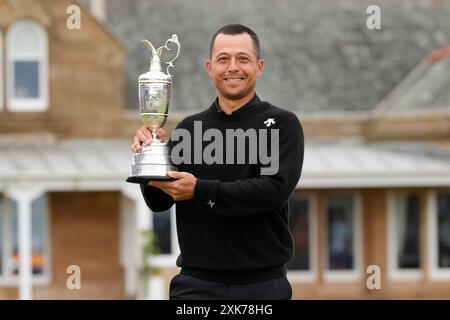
(320, 56)
(74, 161)
(340, 164)
(332, 164)
(425, 89)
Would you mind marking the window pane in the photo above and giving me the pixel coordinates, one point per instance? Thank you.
(340, 232)
(38, 235)
(14, 263)
(444, 230)
(407, 231)
(162, 231)
(26, 41)
(299, 225)
(26, 80)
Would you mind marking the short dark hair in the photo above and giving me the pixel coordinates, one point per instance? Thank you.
(234, 29)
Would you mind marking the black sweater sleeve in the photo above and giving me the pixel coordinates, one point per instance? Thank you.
(266, 193)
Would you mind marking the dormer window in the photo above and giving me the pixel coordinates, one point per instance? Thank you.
(27, 66)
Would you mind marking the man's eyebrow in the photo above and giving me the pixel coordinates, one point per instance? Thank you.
(244, 54)
(227, 54)
(222, 54)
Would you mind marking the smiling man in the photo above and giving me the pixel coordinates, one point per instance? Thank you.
(232, 217)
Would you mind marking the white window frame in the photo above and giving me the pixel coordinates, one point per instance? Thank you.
(394, 272)
(167, 260)
(1, 70)
(435, 272)
(298, 276)
(28, 104)
(7, 278)
(355, 274)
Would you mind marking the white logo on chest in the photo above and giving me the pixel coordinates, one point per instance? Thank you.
(269, 122)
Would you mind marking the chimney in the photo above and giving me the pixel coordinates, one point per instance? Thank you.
(98, 9)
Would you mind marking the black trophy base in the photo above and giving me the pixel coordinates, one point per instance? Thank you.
(146, 179)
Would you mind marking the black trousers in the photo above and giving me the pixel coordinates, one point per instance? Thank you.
(184, 287)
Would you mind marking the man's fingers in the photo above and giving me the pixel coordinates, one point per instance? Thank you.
(136, 146)
(146, 131)
(144, 138)
(161, 184)
(176, 174)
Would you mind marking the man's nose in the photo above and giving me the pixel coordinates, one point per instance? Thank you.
(233, 66)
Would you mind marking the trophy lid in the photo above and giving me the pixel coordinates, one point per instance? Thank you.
(155, 73)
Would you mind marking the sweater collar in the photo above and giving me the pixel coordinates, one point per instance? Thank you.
(242, 112)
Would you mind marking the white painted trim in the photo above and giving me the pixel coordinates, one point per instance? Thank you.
(24, 198)
(328, 180)
(311, 274)
(395, 273)
(435, 273)
(129, 245)
(9, 279)
(132, 259)
(28, 104)
(6, 234)
(98, 9)
(2, 82)
(356, 273)
(37, 280)
(163, 260)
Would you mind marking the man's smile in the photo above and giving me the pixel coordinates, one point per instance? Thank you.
(233, 79)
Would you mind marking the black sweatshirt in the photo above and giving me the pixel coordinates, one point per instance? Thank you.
(235, 229)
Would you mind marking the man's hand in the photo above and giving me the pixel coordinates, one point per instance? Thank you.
(144, 136)
(180, 189)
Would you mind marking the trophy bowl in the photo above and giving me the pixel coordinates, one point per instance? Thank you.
(153, 161)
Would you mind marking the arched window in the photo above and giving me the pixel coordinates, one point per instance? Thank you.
(27, 67)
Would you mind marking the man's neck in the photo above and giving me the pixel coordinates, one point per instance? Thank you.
(229, 106)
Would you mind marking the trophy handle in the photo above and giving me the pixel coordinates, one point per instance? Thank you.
(174, 40)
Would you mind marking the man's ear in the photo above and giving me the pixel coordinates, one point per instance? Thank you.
(260, 65)
(208, 66)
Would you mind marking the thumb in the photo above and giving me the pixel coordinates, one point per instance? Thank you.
(175, 174)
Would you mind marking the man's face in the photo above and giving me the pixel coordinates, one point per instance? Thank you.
(233, 66)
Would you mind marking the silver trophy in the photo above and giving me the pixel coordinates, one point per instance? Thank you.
(153, 161)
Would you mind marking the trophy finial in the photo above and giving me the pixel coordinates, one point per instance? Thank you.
(150, 47)
(156, 54)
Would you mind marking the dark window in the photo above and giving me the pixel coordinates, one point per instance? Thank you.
(444, 230)
(407, 216)
(340, 214)
(162, 232)
(26, 79)
(299, 218)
